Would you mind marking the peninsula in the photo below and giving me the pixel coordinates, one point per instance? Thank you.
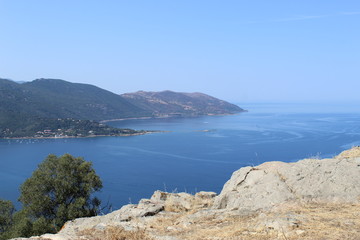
(46, 108)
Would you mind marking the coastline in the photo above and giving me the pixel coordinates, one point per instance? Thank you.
(90, 136)
(123, 119)
(164, 117)
(125, 135)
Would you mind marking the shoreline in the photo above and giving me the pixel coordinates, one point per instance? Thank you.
(164, 117)
(125, 135)
(123, 119)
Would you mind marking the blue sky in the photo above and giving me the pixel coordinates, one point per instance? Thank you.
(241, 51)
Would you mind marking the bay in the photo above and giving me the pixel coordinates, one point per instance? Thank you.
(192, 154)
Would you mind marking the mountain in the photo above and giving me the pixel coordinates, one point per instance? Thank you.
(32, 107)
(168, 103)
(54, 98)
(52, 108)
(51, 98)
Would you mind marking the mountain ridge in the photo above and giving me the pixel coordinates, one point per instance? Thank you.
(180, 104)
(24, 105)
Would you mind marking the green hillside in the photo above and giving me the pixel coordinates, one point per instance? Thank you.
(29, 108)
(61, 99)
(48, 104)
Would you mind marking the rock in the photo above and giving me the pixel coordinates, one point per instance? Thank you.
(299, 232)
(145, 208)
(251, 189)
(179, 202)
(167, 238)
(159, 196)
(72, 228)
(205, 195)
(271, 183)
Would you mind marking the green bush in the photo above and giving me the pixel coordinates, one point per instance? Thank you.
(6, 217)
(58, 191)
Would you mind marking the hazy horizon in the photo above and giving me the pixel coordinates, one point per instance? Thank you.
(239, 51)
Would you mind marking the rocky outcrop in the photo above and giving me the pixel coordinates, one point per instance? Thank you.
(271, 183)
(275, 200)
(135, 216)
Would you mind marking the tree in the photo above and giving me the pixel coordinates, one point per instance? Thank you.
(6, 217)
(58, 191)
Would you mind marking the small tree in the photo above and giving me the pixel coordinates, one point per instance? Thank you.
(6, 217)
(58, 191)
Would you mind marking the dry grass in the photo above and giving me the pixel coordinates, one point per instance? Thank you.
(114, 233)
(192, 203)
(309, 221)
(329, 221)
(351, 153)
(172, 206)
(314, 221)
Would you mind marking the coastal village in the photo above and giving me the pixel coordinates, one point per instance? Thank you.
(59, 133)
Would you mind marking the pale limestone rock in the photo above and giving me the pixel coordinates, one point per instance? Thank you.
(205, 195)
(183, 201)
(271, 183)
(145, 208)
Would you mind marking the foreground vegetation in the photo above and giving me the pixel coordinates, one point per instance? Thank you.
(59, 190)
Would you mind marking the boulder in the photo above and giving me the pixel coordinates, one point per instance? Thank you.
(179, 202)
(271, 183)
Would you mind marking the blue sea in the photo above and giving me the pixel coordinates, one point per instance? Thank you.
(192, 154)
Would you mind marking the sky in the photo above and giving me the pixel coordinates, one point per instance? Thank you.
(240, 51)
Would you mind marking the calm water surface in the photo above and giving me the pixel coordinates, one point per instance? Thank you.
(196, 154)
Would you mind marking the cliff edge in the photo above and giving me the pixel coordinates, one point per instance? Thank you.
(308, 199)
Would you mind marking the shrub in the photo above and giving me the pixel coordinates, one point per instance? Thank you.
(58, 191)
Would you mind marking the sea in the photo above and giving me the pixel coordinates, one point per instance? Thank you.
(190, 154)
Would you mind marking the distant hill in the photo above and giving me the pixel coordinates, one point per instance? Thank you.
(53, 98)
(50, 101)
(60, 99)
(168, 103)
(29, 108)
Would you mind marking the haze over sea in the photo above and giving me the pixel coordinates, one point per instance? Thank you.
(197, 154)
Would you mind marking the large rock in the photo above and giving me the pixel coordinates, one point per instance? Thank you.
(271, 183)
(179, 202)
(160, 201)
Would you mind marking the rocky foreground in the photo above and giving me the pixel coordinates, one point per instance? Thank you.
(308, 199)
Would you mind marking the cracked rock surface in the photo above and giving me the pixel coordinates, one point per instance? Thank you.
(271, 183)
